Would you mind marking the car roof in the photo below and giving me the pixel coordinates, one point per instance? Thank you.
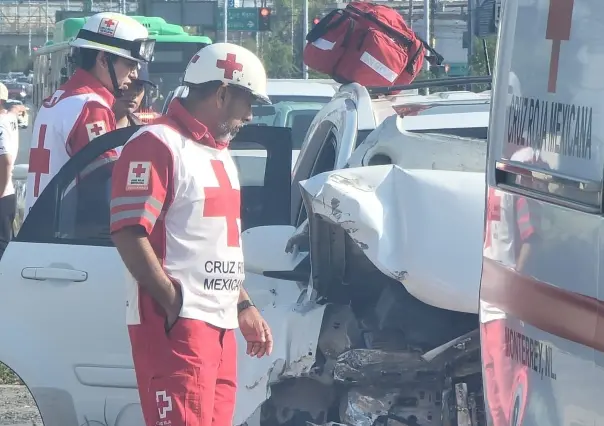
(299, 87)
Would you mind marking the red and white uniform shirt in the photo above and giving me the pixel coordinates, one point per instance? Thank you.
(9, 145)
(78, 112)
(176, 181)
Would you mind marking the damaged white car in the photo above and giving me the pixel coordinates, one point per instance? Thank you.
(372, 306)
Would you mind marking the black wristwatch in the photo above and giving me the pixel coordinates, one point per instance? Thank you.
(242, 306)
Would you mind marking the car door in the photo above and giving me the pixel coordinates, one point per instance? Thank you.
(62, 281)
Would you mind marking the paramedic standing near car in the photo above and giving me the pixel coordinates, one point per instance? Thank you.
(175, 220)
(110, 48)
(9, 148)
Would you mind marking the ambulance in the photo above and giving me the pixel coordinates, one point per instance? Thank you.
(541, 293)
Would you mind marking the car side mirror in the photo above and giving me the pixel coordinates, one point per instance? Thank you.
(264, 249)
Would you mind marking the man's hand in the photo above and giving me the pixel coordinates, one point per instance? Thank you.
(173, 309)
(256, 332)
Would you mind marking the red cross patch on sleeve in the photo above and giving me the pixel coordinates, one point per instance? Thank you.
(139, 174)
(95, 129)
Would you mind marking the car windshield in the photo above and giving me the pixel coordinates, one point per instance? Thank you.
(285, 108)
(295, 112)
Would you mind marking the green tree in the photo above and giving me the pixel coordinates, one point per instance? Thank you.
(281, 48)
(478, 63)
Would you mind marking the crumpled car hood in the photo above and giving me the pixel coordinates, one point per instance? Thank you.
(423, 228)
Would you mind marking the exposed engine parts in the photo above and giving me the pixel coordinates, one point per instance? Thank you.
(386, 359)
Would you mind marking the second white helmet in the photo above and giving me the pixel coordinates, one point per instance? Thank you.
(231, 64)
(116, 33)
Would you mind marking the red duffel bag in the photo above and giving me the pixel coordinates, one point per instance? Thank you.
(368, 44)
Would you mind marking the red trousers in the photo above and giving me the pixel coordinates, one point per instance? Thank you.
(186, 377)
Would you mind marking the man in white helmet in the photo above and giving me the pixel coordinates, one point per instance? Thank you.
(175, 221)
(9, 148)
(110, 47)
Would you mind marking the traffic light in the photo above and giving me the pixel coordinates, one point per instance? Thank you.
(264, 19)
(316, 21)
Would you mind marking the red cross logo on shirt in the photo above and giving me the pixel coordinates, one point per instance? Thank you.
(39, 160)
(96, 129)
(224, 201)
(164, 403)
(559, 21)
(109, 23)
(229, 65)
(139, 170)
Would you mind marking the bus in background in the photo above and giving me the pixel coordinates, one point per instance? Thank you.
(54, 63)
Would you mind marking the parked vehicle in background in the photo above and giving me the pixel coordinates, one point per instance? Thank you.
(16, 90)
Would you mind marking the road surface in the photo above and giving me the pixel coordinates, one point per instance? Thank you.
(17, 408)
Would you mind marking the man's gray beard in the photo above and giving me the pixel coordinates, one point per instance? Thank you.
(227, 133)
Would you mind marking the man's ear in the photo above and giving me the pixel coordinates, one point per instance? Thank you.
(221, 95)
(102, 59)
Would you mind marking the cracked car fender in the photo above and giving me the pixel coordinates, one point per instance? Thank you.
(423, 228)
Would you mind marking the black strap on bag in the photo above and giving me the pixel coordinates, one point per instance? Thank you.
(325, 25)
(391, 32)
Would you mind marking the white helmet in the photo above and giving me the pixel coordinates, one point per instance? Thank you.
(231, 64)
(116, 33)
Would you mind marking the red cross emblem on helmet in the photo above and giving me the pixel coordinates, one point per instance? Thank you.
(229, 65)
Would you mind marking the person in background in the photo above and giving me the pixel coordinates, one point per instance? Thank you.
(9, 148)
(130, 100)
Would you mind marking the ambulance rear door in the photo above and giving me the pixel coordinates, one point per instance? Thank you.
(541, 290)
(63, 283)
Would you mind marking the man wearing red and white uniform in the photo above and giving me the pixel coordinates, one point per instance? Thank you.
(9, 148)
(110, 47)
(510, 231)
(175, 220)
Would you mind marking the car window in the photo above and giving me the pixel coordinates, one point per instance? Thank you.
(294, 112)
(77, 211)
(325, 162)
(84, 208)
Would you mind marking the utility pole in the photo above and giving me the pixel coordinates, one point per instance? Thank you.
(304, 32)
(427, 33)
(226, 12)
(29, 30)
(470, 31)
(410, 14)
(47, 21)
